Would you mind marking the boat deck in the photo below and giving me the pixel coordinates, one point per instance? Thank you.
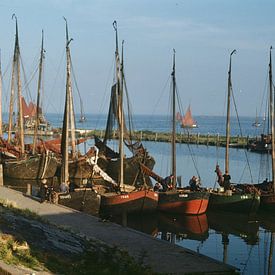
(160, 255)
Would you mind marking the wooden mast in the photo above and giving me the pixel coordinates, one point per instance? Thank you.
(12, 83)
(174, 172)
(69, 87)
(1, 130)
(119, 92)
(271, 110)
(229, 89)
(66, 118)
(38, 94)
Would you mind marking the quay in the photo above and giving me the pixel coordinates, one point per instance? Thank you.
(189, 138)
(160, 255)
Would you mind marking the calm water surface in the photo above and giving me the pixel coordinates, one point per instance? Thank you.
(239, 240)
(242, 241)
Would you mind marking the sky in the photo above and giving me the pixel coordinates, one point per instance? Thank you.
(203, 33)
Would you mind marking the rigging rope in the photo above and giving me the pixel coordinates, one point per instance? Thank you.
(238, 119)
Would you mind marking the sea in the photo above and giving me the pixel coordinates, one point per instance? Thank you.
(246, 242)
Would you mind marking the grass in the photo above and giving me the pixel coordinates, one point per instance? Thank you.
(97, 258)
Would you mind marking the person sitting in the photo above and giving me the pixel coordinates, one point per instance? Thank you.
(158, 187)
(194, 184)
(167, 183)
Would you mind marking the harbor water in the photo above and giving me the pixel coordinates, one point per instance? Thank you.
(242, 241)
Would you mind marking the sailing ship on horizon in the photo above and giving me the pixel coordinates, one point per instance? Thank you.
(187, 121)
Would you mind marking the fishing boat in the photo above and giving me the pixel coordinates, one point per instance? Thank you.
(75, 167)
(25, 164)
(180, 200)
(125, 198)
(256, 123)
(243, 198)
(267, 187)
(187, 121)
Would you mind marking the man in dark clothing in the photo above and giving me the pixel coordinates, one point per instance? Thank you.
(226, 181)
(167, 183)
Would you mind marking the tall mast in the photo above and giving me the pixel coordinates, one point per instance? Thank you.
(13, 82)
(66, 118)
(1, 130)
(271, 110)
(174, 120)
(38, 93)
(69, 87)
(119, 92)
(229, 89)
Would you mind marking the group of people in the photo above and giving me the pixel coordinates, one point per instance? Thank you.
(223, 180)
(167, 184)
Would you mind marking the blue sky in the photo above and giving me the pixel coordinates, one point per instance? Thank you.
(203, 32)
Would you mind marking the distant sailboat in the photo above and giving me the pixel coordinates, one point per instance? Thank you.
(256, 123)
(187, 121)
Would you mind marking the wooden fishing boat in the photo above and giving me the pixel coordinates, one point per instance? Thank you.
(187, 121)
(25, 165)
(183, 201)
(180, 200)
(239, 198)
(125, 198)
(267, 188)
(136, 201)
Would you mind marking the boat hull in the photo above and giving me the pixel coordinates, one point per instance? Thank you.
(268, 201)
(236, 202)
(136, 201)
(183, 202)
(37, 167)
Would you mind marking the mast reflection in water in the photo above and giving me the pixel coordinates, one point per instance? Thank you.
(240, 240)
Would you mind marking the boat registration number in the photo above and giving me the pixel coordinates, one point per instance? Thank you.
(124, 196)
(183, 195)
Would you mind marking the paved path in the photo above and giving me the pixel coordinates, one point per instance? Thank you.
(161, 256)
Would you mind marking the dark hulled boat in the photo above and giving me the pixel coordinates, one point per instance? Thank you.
(234, 202)
(42, 166)
(24, 164)
(267, 188)
(245, 199)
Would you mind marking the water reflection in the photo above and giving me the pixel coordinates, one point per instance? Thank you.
(246, 242)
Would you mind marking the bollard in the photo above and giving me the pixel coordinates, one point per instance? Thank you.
(1, 175)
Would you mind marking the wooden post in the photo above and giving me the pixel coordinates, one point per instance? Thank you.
(218, 139)
(156, 137)
(101, 134)
(1, 175)
(140, 135)
(198, 137)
